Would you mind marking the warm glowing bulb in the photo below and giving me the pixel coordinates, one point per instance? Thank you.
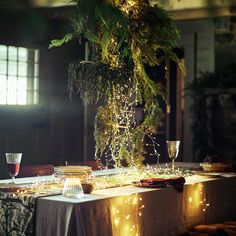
(190, 199)
(116, 221)
(135, 200)
(113, 210)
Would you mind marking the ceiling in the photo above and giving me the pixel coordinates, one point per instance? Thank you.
(180, 9)
(186, 9)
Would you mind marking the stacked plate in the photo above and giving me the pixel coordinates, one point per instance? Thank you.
(72, 171)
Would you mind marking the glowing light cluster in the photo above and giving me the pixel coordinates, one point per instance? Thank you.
(125, 214)
(126, 176)
(125, 137)
(203, 202)
(40, 188)
(197, 199)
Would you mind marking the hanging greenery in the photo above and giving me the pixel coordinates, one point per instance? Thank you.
(124, 36)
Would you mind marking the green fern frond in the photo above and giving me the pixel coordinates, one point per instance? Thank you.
(58, 42)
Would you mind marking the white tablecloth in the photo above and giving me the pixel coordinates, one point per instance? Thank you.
(133, 210)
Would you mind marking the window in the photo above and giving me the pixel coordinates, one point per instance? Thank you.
(19, 75)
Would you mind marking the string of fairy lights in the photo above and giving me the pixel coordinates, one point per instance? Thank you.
(124, 130)
(126, 210)
(154, 146)
(203, 201)
(125, 214)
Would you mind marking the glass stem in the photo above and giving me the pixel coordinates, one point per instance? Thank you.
(13, 179)
(173, 165)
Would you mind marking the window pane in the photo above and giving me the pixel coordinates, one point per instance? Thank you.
(30, 84)
(12, 68)
(36, 83)
(22, 83)
(36, 56)
(22, 54)
(3, 67)
(3, 52)
(36, 97)
(11, 90)
(3, 89)
(12, 53)
(31, 55)
(22, 91)
(30, 72)
(22, 69)
(3, 97)
(3, 80)
(36, 70)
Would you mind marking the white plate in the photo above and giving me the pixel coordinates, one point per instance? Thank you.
(210, 174)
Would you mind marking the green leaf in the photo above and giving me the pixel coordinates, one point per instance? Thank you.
(58, 42)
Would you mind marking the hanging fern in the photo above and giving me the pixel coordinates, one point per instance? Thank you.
(124, 36)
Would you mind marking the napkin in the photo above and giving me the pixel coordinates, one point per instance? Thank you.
(176, 182)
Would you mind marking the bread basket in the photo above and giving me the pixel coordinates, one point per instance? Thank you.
(215, 167)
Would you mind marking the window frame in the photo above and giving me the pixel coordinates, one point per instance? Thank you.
(31, 89)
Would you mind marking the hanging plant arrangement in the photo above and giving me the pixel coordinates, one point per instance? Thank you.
(124, 36)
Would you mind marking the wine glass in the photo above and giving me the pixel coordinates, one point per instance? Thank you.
(173, 151)
(13, 164)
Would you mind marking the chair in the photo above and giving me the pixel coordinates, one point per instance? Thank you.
(35, 170)
(93, 164)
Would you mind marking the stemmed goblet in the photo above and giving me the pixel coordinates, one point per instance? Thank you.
(13, 164)
(173, 151)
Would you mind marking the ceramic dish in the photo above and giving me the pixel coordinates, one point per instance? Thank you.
(215, 167)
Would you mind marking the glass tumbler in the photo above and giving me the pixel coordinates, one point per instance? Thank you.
(73, 188)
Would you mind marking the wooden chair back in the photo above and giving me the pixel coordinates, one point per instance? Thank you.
(35, 170)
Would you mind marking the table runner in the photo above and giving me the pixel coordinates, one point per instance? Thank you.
(17, 214)
(18, 203)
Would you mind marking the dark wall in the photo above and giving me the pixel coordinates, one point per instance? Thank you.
(52, 131)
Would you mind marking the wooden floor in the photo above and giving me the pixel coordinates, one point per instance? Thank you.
(227, 228)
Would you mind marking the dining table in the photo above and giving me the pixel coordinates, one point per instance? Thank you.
(133, 209)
